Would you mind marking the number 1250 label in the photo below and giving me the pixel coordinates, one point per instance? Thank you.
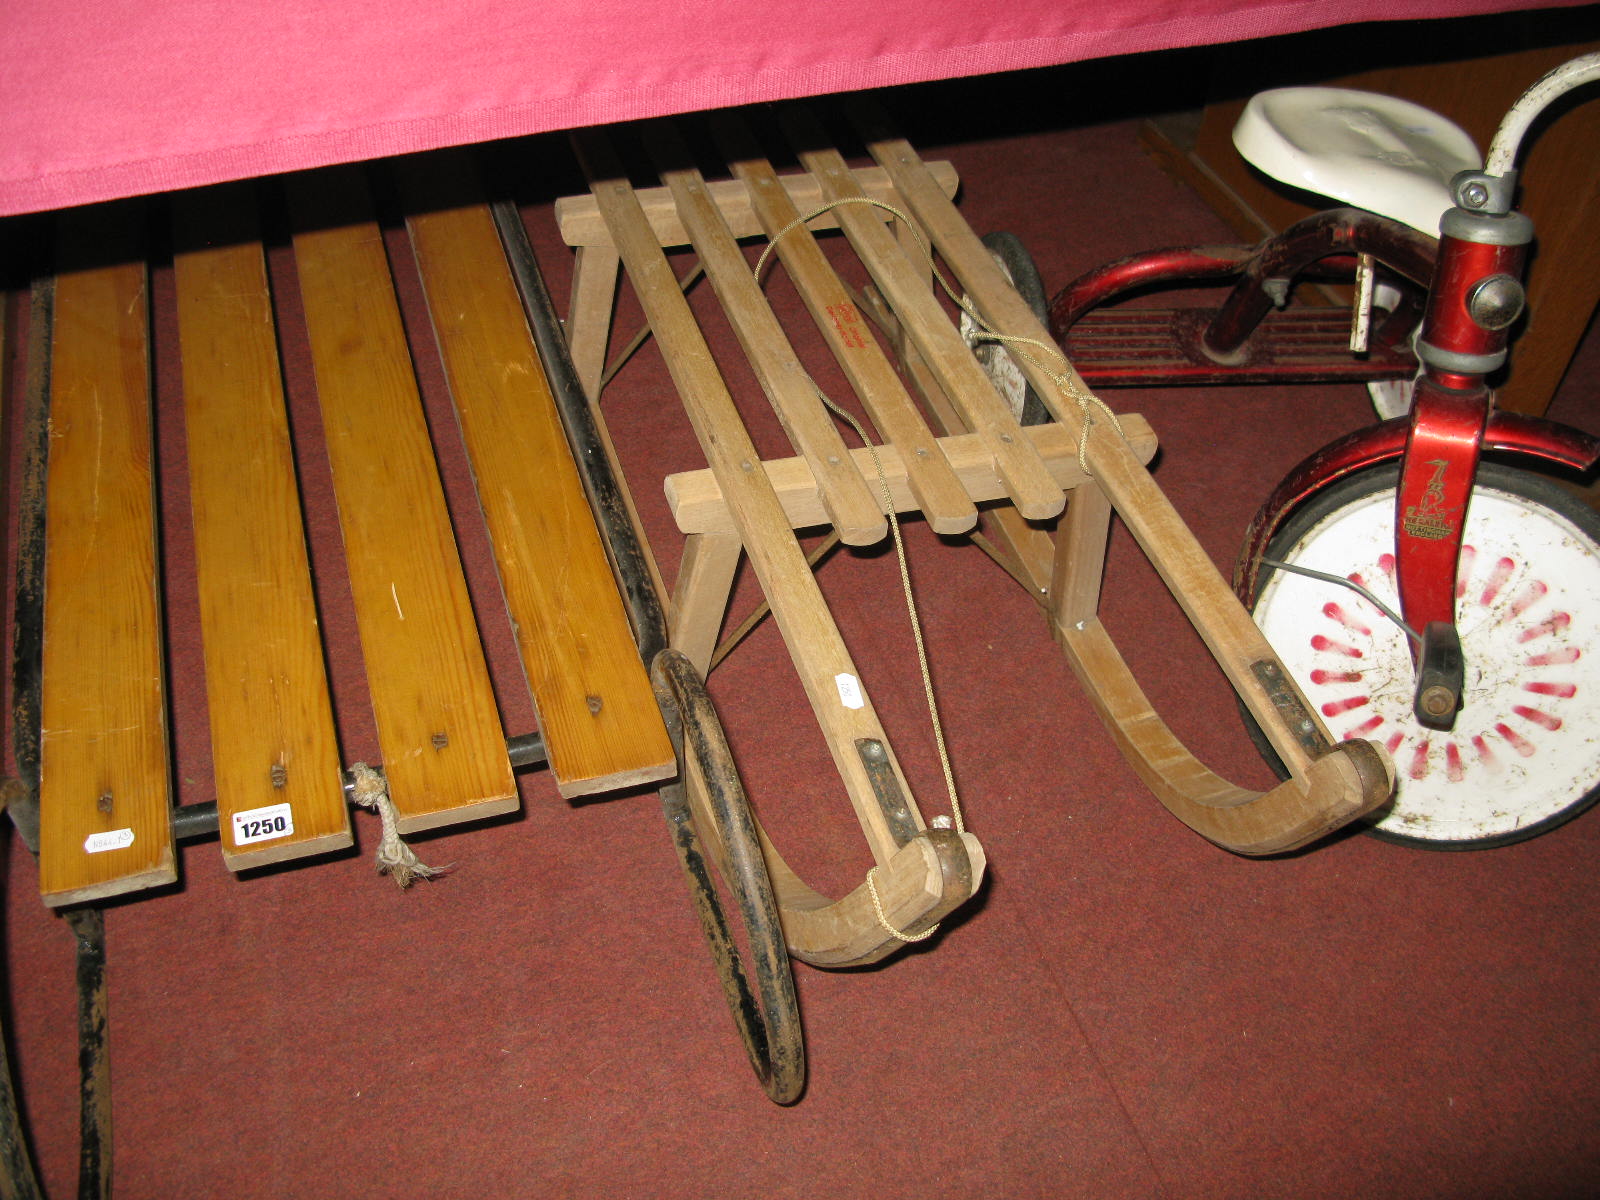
(262, 824)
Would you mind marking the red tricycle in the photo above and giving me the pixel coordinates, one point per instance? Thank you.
(1428, 589)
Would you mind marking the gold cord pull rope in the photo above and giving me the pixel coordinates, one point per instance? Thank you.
(877, 907)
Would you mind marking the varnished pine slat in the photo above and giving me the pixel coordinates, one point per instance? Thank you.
(105, 825)
(443, 750)
(275, 753)
(601, 725)
(852, 508)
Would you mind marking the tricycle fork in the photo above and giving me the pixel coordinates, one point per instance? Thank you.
(1475, 297)
(1437, 471)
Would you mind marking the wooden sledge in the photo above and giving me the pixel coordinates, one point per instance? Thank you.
(1082, 463)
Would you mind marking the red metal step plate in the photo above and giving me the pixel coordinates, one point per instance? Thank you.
(1161, 347)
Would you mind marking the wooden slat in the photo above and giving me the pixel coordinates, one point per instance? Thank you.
(1032, 545)
(582, 225)
(821, 659)
(276, 756)
(939, 494)
(443, 751)
(929, 327)
(851, 507)
(601, 725)
(104, 799)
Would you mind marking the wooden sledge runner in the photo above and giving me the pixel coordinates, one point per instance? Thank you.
(1081, 462)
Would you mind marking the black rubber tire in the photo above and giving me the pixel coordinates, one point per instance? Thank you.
(759, 990)
(1012, 255)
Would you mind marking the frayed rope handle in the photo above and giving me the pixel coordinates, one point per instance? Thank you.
(395, 859)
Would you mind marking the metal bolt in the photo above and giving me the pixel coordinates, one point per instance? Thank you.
(1496, 301)
(1437, 701)
(1474, 195)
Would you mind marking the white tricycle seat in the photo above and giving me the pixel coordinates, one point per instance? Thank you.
(1388, 156)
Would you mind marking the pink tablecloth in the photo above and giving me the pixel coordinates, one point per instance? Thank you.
(119, 97)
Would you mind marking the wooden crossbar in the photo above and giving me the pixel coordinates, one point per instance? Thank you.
(582, 225)
(698, 505)
(104, 776)
(601, 724)
(443, 750)
(275, 753)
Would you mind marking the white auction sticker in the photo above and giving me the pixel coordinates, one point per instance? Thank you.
(262, 824)
(849, 690)
(111, 839)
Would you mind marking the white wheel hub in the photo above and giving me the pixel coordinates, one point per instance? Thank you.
(1526, 745)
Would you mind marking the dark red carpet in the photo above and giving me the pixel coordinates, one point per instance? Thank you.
(1126, 1011)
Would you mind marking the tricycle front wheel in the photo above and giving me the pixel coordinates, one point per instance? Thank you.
(1522, 757)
